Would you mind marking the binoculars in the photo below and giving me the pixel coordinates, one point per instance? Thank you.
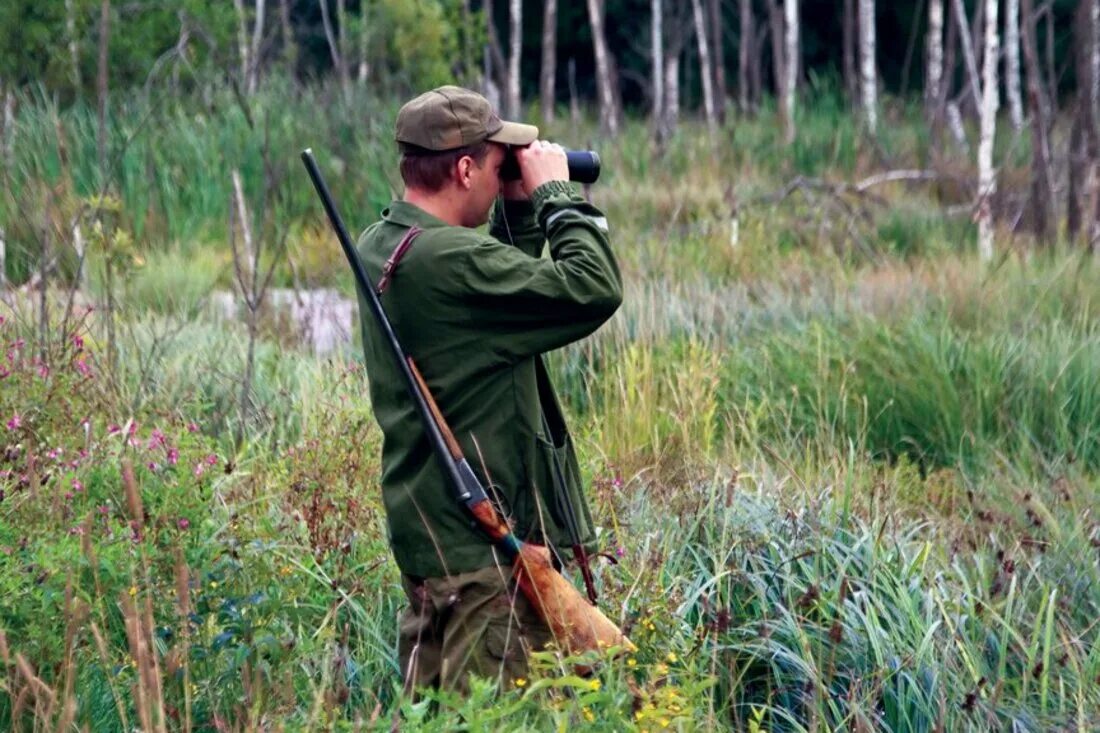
(584, 166)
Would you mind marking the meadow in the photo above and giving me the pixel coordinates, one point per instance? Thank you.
(849, 472)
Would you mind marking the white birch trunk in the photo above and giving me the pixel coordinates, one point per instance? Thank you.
(336, 51)
(608, 100)
(968, 51)
(1094, 58)
(7, 127)
(515, 44)
(790, 83)
(934, 75)
(1012, 63)
(987, 181)
(657, 61)
(242, 40)
(364, 38)
(706, 73)
(79, 246)
(955, 124)
(254, 52)
(3, 260)
(74, 43)
(672, 93)
(549, 59)
(867, 79)
(744, 54)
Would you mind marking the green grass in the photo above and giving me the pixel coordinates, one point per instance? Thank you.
(850, 471)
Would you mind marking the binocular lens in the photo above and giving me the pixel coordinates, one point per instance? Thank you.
(584, 166)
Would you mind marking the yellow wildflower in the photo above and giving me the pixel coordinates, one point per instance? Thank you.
(520, 681)
(632, 662)
(133, 591)
(672, 657)
(594, 684)
(588, 715)
(661, 668)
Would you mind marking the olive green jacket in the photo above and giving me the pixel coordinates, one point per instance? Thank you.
(476, 312)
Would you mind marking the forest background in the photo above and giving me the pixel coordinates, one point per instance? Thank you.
(843, 437)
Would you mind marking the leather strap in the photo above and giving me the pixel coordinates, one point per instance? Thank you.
(398, 252)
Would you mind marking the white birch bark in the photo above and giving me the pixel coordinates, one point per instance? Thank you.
(706, 73)
(339, 61)
(867, 78)
(1094, 58)
(7, 127)
(934, 74)
(608, 100)
(672, 93)
(968, 52)
(549, 59)
(987, 181)
(254, 52)
(744, 54)
(515, 45)
(1012, 63)
(364, 38)
(657, 60)
(242, 40)
(955, 124)
(790, 83)
(74, 43)
(3, 261)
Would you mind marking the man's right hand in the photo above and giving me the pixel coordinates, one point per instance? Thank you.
(541, 162)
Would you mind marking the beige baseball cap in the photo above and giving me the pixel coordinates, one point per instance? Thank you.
(452, 117)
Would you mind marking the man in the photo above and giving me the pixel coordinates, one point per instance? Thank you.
(476, 312)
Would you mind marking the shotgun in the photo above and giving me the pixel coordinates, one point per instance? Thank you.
(577, 625)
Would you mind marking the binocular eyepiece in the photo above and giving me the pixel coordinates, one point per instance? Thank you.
(584, 166)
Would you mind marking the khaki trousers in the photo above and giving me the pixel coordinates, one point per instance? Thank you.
(475, 622)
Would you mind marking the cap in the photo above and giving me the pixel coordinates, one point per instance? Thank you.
(452, 117)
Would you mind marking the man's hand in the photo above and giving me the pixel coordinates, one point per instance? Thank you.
(539, 163)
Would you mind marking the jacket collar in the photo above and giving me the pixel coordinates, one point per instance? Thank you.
(407, 215)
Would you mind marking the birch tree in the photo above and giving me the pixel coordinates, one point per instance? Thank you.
(74, 44)
(746, 55)
(718, 54)
(971, 64)
(791, 67)
(549, 59)
(336, 49)
(290, 44)
(248, 42)
(1083, 198)
(1042, 175)
(657, 76)
(867, 78)
(1012, 63)
(848, 50)
(706, 73)
(515, 46)
(934, 61)
(987, 182)
(605, 74)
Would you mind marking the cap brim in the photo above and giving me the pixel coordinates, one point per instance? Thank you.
(515, 133)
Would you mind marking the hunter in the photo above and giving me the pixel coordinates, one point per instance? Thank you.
(477, 311)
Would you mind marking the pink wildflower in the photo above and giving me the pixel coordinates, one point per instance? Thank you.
(211, 460)
(200, 469)
(183, 523)
(83, 368)
(43, 371)
(192, 428)
(173, 456)
(15, 422)
(78, 342)
(77, 486)
(112, 429)
(152, 465)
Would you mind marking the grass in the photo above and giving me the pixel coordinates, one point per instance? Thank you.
(851, 473)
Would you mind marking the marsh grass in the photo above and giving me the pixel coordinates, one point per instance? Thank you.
(850, 474)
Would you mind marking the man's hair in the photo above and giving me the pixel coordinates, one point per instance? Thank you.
(429, 169)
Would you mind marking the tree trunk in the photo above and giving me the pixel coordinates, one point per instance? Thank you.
(779, 66)
(867, 77)
(363, 72)
(745, 56)
(1084, 148)
(74, 45)
(848, 50)
(963, 25)
(254, 52)
(515, 46)
(672, 93)
(718, 53)
(101, 84)
(574, 101)
(7, 127)
(1042, 175)
(335, 49)
(656, 15)
(606, 93)
(792, 56)
(496, 51)
(549, 59)
(706, 74)
(1012, 63)
(987, 182)
(290, 45)
(242, 40)
(934, 59)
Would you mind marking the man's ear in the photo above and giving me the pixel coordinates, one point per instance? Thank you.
(464, 172)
